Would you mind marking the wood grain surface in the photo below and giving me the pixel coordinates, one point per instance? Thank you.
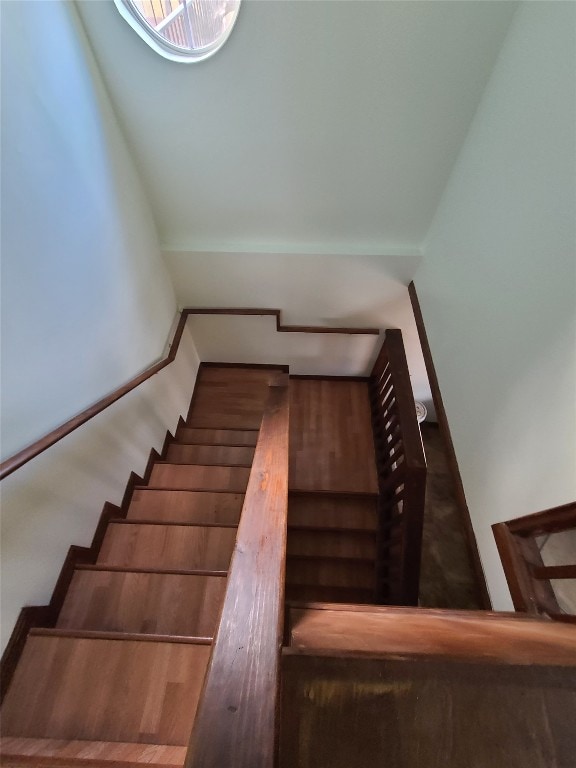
(331, 443)
(330, 573)
(338, 544)
(199, 478)
(210, 454)
(156, 603)
(236, 724)
(362, 712)
(318, 511)
(186, 506)
(191, 436)
(435, 633)
(168, 546)
(230, 398)
(75, 688)
(62, 753)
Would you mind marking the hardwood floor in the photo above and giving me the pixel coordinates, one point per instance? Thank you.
(331, 443)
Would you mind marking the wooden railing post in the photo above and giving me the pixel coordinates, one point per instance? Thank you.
(236, 720)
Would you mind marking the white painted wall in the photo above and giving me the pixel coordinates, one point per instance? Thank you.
(56, 499)
(86, 300)
(498, 284)
(310, 289)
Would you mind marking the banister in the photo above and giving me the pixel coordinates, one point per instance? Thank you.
(401, 468)
(236, 720)
(527, 576)
(10, 465)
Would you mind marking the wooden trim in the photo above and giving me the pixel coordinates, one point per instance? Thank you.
(483, 595)
(169, 523)
(280, 327)
(160, 571)
(88, 634)
(555, 572)
(527, 576)
(555, 520)
(236, 721)
(22, 457)
(315, 377)
(254, 366)
(39, 446)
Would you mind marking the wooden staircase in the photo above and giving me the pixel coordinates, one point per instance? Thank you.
(118, 678)
(331, 552)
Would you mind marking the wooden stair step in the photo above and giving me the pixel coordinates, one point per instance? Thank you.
(332, 511)
(329, 543)
(310, 593)
(230, 398)
(475, 635)
(147, 545)
(330, 573)
(186, 506)
(218, 455)
(62, 753)
(229, 437)
(74, 686)
(197, 477)
(143, 602)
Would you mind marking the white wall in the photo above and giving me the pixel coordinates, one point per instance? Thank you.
(498, 284)
(311, 289)
(56, 499)
(86, 300)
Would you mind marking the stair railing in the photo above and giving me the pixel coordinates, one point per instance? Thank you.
(236, 720)
(401, 467)
(528, 578)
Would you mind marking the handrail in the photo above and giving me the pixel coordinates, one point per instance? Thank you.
(236, 720)
(527, 576)
(401, 469)
(16, 461)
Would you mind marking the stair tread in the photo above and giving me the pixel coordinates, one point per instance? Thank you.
(198, 477)
(148, 545)
(62, 753)
(105, 688)
(148, 603)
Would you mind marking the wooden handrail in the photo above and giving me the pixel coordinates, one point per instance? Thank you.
(527, 576)
(16, 461)
(236, 720)
(401, 474)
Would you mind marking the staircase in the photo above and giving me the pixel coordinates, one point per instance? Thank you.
(119, 676)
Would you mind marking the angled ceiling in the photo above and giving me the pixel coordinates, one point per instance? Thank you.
(319, 127)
